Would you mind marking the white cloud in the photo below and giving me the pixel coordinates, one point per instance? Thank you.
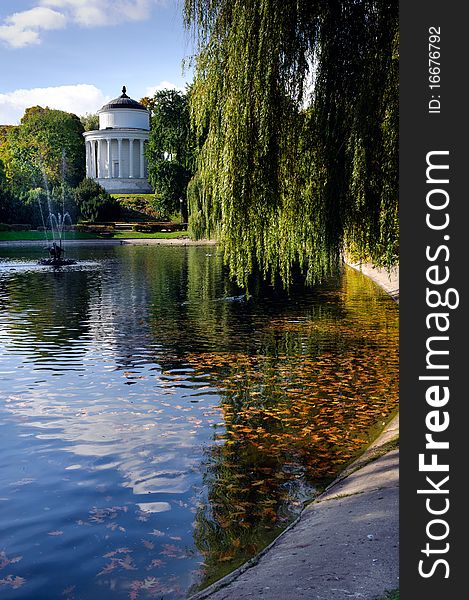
(22, 28)
(94, 13)
(37, 18)
(163, 85)
(16, 38)
(79, 99)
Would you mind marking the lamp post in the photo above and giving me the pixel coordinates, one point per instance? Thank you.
(180, 210)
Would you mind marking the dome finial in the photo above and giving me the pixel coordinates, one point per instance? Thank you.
(124, 89)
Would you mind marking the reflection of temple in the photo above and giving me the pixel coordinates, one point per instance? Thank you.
(115, 153)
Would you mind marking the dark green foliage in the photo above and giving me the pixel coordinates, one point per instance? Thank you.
(7, 209)
(14, 208)
(46, 149)
(94, 203)
(169, 151)
(294, 107)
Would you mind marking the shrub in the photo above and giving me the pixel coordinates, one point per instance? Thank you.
(94, 203)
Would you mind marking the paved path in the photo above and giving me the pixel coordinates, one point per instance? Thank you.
(182, 241)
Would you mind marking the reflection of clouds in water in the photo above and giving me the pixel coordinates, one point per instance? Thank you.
(154, 507)
(155, 449)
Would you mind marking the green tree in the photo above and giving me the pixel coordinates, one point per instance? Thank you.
(6, 200)
(47, 146)
(169, 150)
(294, 108)
(90, 121)
(93, 202)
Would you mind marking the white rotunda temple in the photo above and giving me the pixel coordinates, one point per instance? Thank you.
(115, 153)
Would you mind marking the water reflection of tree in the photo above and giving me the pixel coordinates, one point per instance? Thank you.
(294, 414)
(48, 310)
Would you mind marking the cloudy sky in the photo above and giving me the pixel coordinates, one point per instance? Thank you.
(77, 54)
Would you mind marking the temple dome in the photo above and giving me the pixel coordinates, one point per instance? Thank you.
(124, 113)
(123, 101)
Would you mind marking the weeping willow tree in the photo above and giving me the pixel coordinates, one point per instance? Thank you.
(294, 108)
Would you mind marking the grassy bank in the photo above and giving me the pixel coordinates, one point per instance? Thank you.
(148, 236)
(18, 236)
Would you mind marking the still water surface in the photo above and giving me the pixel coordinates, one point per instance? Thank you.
(156, 428)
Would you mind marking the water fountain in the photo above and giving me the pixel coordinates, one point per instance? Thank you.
(57, 222)
(57, 247)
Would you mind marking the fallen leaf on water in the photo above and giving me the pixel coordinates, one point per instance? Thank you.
(14, 582)
(135, 587)
(149, 545)
(5, 561)
(155, 563)
(69, 590)
(157, 532)
(226, 557)
(126, 563)
(55, 533)
(117, 551)
(149, 583)
(171, 550)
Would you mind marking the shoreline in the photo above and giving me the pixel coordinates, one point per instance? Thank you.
(115, 242)
(354, 523)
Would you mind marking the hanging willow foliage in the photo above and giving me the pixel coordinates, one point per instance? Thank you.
(294, 108)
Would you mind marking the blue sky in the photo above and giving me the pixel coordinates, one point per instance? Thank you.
(76, 54)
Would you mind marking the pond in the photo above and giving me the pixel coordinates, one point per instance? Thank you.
(157, 428)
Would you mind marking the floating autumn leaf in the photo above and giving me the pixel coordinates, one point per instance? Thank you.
(69, 590)
(117, 551)
(171, 550)
(157, 533)
(155, 563)
(14, 582)
(150, 583)
(5, 561)
(135, 587)
(125, 563)
(226, 557)
(148, 544)
(55, 533)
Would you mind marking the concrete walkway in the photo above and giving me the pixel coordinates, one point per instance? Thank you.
(346, 543)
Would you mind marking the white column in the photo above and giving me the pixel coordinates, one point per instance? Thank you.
(90, 159)
(94, 159)
(142, 160)
(99, 159)
(119, 154)
(109, 159)
(87, 159)
(131, 157)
